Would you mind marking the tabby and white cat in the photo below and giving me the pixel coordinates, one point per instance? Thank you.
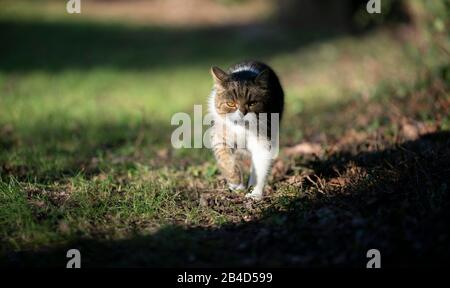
(242, 97)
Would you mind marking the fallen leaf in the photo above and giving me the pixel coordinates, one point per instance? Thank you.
(304, 148)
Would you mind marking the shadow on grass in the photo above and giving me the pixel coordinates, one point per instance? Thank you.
(55, 46)
(57, 151)
(29, 45)
(401, 207)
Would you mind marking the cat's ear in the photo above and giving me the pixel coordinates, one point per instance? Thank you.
(263, 77)
(219, 76)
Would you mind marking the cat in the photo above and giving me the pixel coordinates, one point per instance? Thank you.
(241, 96)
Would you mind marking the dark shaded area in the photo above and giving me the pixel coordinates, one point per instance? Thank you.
(55, 46)
(58, 46)
(350, 15)
(400, 208)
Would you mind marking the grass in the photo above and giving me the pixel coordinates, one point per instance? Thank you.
(86, 160)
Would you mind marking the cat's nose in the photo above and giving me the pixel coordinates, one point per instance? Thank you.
(243, 111)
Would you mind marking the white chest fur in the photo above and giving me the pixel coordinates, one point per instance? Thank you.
(261, 149)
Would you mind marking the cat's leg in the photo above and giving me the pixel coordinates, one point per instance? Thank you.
(261, 163)
(252, 179)
(229, 167)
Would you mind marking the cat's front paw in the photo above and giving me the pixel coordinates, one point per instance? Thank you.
(255, 196)
(235, 187)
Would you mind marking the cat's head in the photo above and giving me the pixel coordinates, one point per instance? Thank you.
(239, 97)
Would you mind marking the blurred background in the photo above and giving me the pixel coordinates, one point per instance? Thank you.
(86, 101)
(148, 59)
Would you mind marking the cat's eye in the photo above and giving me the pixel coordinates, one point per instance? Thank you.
(251, 104)
(231, 104)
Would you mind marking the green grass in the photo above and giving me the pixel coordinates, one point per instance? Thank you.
(86, 160)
